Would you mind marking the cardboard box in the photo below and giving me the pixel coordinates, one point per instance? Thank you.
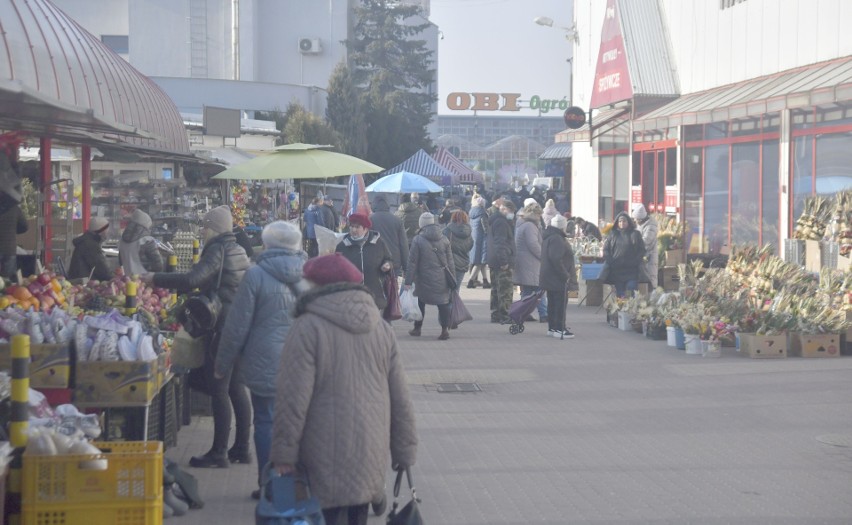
(116, 383)
(667, 278)
(814, 345)
(844, 262)
(763, 346)
(813, 256)
(50, 365)
(674, 257)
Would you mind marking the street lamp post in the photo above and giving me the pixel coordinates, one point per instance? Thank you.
(570, 35)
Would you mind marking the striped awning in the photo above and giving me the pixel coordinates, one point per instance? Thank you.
(466, 175)
(422, 164)
(558, 151)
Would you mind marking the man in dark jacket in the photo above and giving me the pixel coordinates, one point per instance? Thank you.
(392, 232)
(409, 213)
(313, 218)
(221, 251)
(12, 224)
(88, 257)
(330, 218)
(557, 275)
(501, 258)
(624, 252)
(588, 229)
(368, 252)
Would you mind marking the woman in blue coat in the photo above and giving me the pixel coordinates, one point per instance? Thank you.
(258, 323)
(479, 232)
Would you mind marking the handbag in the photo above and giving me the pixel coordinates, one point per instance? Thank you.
(200, 311)
(187, 351)
(449, 277)
(392, 310)
(410, 513)
(286, 499)
(458, 311)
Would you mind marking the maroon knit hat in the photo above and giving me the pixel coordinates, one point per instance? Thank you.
(361, 220)
(333, 268)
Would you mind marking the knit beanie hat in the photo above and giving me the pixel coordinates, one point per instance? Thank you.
(332, 268)
(558, 222)
(98, 224)
(639, 212)
(532, 209)
(219, 219)
(361, 220)
(528, 201)
(141, 218)
(426, 218)
(282, 234)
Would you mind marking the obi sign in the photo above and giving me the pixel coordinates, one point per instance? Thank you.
(612, 78)
(460, 101)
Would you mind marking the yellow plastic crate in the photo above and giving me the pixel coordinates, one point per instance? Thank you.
(60, 490)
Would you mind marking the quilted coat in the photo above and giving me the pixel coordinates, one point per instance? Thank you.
(430, 253)
(649, 229)
(87, 255)
(461, 243)
(342, 401)
(409, 213)
(623, 252)
(527, 251)
(204, 273)
(260, 319)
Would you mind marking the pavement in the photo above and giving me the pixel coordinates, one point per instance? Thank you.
(608, 427)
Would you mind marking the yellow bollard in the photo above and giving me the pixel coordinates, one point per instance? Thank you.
(130, 298)
(18, 425)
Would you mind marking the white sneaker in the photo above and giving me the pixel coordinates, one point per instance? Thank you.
(551, 332)
(567, 334)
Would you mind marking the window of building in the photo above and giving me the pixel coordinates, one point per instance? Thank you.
(118, 43)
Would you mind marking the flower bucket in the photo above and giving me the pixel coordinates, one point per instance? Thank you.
(693, 344)
(637, 326)
(671, 336)
(656, 333)
(737, 340)
(680, 339)
(711, 348)
(624, 321)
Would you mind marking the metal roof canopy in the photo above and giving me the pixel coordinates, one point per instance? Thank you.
(808, 86)
(60, 81)
(558, 151)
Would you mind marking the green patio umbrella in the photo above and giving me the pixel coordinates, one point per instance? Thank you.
(299, 161)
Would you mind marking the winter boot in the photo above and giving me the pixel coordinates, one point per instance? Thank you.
(485, 283)
(472, 283)
(445, 334)
(239, 455)
(415, 332)
(210, 460)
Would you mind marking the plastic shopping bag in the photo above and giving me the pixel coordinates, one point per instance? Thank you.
(408, 305)
(327, 240)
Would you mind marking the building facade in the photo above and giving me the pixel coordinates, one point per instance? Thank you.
(725, 113)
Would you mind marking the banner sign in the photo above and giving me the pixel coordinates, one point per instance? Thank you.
(612, 77)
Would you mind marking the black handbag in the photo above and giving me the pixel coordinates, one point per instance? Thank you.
(410, 513)
(200, 311)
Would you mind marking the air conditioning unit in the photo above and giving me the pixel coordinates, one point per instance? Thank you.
(310, 46)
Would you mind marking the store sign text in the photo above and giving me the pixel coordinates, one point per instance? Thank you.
(459, 101)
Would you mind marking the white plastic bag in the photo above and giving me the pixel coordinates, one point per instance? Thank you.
(408, 306)
(327, 240)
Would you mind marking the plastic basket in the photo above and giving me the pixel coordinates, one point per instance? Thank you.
(61, 490)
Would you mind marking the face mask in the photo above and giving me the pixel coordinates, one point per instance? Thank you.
(357, 238)
(510, 216)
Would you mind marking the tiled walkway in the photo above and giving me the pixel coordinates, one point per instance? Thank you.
(606, 428)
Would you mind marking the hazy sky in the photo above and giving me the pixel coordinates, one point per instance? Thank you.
(494, 46)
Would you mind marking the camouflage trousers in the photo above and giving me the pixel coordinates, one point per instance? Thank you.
(501, 293)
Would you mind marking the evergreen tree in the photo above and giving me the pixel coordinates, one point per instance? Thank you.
(395, 70)
(345, 112)
(305, 127)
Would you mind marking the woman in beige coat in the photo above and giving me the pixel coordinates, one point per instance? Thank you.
(342, 399)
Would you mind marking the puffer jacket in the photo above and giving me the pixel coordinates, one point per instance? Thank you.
(461, 243)
(138, 252)
(392, 231)
(410, 213)
(342, 399)
(527, 251)
(368, 256)
(557, 262)
(205, 272)
(430, 253)
(260, 318)
(87, 255)
(478, 227)
(501, 241)
(313, 217)
(649, 230)
(623, 252)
